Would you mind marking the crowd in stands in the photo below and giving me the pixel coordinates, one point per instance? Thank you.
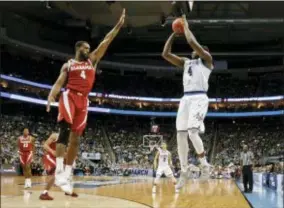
(41, 128)
(264, 138)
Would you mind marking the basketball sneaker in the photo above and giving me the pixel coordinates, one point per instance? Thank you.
(28, 183)
(72, 195)
(63, 182)
(45, 196)
(182, 181)
(205, 172)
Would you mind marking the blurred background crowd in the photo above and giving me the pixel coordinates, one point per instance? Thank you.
(118, 144)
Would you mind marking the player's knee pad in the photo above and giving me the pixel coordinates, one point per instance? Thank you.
(64, 133)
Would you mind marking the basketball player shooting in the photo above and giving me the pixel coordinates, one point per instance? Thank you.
(79, 73)
(26, 145)
(164, 158)
(194, 104)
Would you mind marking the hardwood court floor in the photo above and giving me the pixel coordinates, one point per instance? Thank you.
(110, 192)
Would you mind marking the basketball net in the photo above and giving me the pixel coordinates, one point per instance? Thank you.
(190, 5)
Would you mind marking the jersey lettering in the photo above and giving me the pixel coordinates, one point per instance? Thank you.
(189, 71)
(83, 75)
(165, 158)
(195, 76)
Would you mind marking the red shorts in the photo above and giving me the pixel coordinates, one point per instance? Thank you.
(73, 108)
(49, 163)
(26, 158)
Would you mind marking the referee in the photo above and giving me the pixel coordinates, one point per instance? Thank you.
(246, 164)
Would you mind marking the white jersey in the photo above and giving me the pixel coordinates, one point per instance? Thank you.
(195, 76)
(163, 158)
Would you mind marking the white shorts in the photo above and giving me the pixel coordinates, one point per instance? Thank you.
(191, 112)
(166, 170)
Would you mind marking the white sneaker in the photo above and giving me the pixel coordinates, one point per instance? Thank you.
(26, 184)
(205, 172)
(68, 188)
(182, 181)
(64, 182)
(154, 189)
(29, 183)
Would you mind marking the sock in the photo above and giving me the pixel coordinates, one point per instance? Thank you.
(182, 145)
(196, 141)
(59, 164)
(68, 170)
(45, 191)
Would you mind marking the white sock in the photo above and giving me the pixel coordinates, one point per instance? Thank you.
(196, 141)
(45, 191)
(59, 164)
(182, 146)
(68, 170)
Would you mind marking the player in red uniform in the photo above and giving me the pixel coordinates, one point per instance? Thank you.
(79, 73)
(50, 165)
(26, 149)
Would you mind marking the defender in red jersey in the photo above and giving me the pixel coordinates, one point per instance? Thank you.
(79, 73)
(26, 150)
(49, 165)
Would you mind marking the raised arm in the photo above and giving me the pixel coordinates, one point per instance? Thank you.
(99, 52)
(169, 56)
(156, 160)
(47, 143)
(203, 54)
(57, 86)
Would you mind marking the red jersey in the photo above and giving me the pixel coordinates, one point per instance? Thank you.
(81, 76)
(25, 144)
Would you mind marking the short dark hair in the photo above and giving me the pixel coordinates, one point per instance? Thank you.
(79, 43)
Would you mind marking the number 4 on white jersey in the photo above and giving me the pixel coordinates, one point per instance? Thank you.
(83, 75)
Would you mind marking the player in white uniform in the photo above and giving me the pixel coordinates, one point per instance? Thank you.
(164, 167)
(194, 104)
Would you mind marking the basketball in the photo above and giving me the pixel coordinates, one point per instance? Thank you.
(177, 26)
